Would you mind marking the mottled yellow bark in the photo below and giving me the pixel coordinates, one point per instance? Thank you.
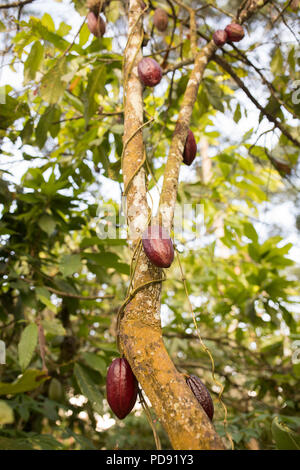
(177, 409)
(140, 328)
(171, 175)
(141, 340)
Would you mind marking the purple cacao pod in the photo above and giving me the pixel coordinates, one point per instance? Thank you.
(121, 387)
(149, 71)
(160, 19)
(235, 32)
(96, 24)
(190, 149)
(220, 37)
(158, 246)
(202, 394)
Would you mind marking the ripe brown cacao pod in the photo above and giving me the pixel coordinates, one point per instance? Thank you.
(96, 24)
(158, 246)
(149, 71)
(190, 149)
(220, 37)
(202, 394)
(160, 19)
(235, 32)
(121, 387)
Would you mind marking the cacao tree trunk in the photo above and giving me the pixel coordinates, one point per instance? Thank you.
(140, 334)
(141, 340)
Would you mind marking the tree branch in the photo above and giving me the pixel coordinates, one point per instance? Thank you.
(15, 4)
(171, 176)
(225, 66)
(140, 333)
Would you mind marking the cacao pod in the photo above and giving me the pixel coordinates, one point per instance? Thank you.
(158, 246)
(96, 24)
(235, 32)
(149, 71)
(121, 387)
(55, 391)
(202, 394)
(282, 167)
(294, 5)
(190, 149)
(220, 37)
(160, 19)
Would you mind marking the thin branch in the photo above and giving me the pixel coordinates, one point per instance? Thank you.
(171, 175)
(75, 118)
(77, 296)
(225, 66)
(68, 294)
(270, 86)
(15, 4)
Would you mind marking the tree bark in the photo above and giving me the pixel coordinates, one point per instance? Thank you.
(140, 334)
(141, 340)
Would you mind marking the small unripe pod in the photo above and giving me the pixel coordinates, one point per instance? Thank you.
(220, 37)
(96, 24)
(160, 19)
(158, 246)
(235, 32)
(202, 394)
(190, 149)
(121, 387)
(55, 391)
(149, 72)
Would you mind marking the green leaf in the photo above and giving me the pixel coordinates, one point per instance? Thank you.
(250, 232)
(47, 224)
(53, 85)
(95, 85)
(88, 388)
(108, 260)
(11, 111)
(284, 437)
(33, 61)
(44, 296)
(70, 264)
(277, 63)
(48, 22)
(237, 114)
(46, 123)
(30, 380)
(26, 133)
(53, 327)
(114, 11)
(95, 362)
(84, 35)
(46, 442)
(215, 94)
(27, 345)
(6, 413)
(7, 443)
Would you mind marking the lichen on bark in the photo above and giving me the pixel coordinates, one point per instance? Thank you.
(140, 329)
